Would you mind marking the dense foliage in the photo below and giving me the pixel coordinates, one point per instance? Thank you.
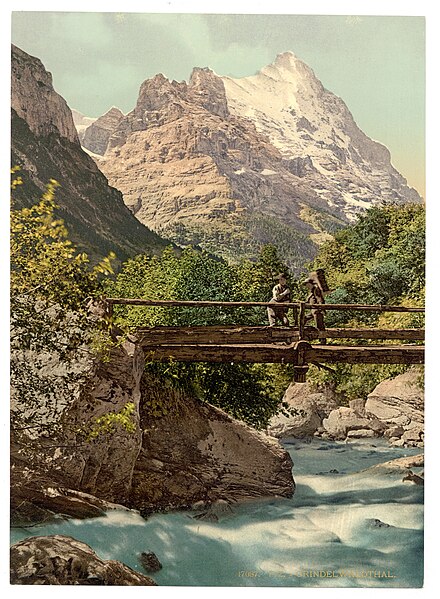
(44, 262)
(378, 260)
(249, 392)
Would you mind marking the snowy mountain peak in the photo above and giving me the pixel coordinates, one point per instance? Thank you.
(305, 122)
(286, 60)
(197, 159)
(289, 68)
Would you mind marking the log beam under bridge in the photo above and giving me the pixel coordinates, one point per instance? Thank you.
(288, 353)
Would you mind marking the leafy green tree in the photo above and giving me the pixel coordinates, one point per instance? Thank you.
(369, 234)
(44, 262)
(249, 392)
(51, 328)
(378, 260)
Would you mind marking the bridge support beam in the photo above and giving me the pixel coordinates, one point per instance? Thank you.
(237, 335)
(301, 367)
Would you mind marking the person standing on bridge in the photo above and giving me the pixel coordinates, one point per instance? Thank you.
(317, 286)
(280, 294)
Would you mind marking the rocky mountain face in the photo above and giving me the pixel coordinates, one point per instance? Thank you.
(34, 99)
(232, 164)
(97, 134)
(81, 123)
(45, 146)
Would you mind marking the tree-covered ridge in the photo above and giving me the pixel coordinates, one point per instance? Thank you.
(246, 237)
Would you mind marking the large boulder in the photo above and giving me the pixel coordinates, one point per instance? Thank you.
(195, 452)
(399, 465)
(38, 497)
(101, 452)
(62, 560)
(399, 404)
(345, 421)
(84, 435)
(304, 411)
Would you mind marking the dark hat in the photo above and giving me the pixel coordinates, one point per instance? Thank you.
(282, 275)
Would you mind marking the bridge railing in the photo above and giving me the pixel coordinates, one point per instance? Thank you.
(219, 334)
(207, 304)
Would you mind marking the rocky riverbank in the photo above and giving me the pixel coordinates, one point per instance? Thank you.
(358, 506)
(168, 452)
(394, 409)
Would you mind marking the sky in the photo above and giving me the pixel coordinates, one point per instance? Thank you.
(376, 64)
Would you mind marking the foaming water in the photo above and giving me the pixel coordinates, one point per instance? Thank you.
(345, 526)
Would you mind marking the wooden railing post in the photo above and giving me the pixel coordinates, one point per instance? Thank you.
(295, 316)
(108, 312)
(302, 319)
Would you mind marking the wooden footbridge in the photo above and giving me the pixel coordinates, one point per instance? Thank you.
(300, 345)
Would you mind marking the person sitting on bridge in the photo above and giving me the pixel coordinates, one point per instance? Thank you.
(317, 286)
(280, 294)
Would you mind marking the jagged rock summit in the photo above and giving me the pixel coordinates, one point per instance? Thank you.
(232, 164)
(81, 122)
(34, 99)
(45, 145)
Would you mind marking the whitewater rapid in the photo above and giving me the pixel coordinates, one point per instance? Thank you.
(347, 525)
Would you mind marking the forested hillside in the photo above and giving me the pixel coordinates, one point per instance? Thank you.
(379, 260)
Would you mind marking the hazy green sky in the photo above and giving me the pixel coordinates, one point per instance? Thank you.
(375, 64)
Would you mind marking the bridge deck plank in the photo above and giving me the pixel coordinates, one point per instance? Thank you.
(233, 334)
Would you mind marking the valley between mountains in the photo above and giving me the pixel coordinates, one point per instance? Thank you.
(234, 164)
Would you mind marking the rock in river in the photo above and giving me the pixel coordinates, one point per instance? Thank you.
(62, 560)
(150, 561)
(304, 412)
(399, 403)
